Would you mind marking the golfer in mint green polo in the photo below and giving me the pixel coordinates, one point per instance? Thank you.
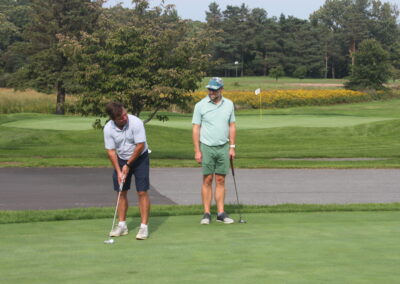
(214, 132)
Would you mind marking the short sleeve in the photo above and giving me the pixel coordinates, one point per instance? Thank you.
(232, 117)
(139, 133)
(108, 139)
(196, 115)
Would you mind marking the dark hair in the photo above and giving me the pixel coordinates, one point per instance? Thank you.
(114, 109)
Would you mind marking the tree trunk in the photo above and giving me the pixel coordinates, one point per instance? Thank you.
(352, 50)
(60, 107)
(265, 65)
(333, 69)
(136, 106)
(326, 66)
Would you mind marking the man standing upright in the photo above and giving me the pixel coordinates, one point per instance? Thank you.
(214, 133)
(125, 142)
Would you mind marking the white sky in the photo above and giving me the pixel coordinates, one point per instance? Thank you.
(196, 9)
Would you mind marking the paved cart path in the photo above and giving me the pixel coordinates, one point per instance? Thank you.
(55, 188)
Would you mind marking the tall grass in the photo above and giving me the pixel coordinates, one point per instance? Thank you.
(27, 101)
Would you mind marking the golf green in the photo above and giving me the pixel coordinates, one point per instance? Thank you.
(345, 247)
(273, 121)
(184, 122)
(55, 122)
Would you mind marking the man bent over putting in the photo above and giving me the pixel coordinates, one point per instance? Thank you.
(125, 142)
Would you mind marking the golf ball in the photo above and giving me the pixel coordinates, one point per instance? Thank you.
(110, 241)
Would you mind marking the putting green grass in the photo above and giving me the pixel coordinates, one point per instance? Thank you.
(345, 247)
(54, 122)
(275, 120)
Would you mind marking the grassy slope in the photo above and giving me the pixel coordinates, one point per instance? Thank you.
(378, 136)
(357, 247)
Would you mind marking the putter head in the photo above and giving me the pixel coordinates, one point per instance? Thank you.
(109, 242)
(242, 221)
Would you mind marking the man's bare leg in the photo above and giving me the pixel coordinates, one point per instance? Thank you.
(220, 192)
(144, 206)
(206, 192)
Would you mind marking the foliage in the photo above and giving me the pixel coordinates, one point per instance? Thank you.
(147, 64)
(372, 68)
(293, 98)
(300, 72)
(277, 72)
(47, 69)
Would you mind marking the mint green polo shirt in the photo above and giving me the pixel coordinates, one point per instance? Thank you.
(214, 120)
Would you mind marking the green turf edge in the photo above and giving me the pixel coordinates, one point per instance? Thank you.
(29, 216)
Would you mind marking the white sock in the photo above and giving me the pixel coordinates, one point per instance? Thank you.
(144, 226)
(122, 224)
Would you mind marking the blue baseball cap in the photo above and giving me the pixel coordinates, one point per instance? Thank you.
(215, 83)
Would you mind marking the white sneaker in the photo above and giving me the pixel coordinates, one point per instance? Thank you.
(206, 219)
(224, 218)
(119, 231)
(142, 234)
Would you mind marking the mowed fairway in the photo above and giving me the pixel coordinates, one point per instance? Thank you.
(345, 247)
(364, 130)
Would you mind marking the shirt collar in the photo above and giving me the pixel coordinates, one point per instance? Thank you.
(119, 129)
(210, 101)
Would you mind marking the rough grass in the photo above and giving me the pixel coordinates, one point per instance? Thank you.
(12, 101)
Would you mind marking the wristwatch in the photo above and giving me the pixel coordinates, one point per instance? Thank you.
(232, 146)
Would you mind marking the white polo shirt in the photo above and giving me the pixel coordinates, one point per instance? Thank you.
(124, 140)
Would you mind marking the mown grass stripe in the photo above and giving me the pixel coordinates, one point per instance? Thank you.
(28, 216)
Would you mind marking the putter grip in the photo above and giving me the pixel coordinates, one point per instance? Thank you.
(233, 171)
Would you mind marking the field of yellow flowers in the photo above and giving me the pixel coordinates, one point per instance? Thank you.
(292, 98)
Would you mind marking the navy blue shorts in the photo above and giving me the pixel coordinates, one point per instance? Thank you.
(140, 169)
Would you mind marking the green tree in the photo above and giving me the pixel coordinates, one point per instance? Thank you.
(371, 69)
(47, 68)
(300, 72)
(148, 64)
(277, 72)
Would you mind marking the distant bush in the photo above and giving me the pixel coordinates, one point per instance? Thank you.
(293, 98)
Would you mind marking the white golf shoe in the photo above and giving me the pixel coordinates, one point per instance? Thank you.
(206, 219)
(223, 217)
(119, 231)
(142, 234)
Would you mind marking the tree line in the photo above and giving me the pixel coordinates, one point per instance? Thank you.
(149, 58)
(321, 47)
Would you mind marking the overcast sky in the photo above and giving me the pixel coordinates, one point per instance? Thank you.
(195, 9)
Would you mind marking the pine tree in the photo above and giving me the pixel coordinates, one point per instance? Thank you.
(372, 68)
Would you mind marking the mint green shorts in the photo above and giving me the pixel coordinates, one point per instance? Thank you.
(215, 159)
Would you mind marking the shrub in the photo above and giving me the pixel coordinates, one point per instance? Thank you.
(293, 98)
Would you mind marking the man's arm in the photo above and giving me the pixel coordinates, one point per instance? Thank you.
(136, 153)
(196, 142)
(112, 155)
(232, 139)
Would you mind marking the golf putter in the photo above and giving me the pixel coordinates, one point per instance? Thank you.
(237, 196)
(111, 240)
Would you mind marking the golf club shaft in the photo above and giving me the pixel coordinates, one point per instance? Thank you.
(116, 207)
(234, 181)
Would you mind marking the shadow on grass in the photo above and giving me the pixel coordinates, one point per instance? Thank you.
(154, 223)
